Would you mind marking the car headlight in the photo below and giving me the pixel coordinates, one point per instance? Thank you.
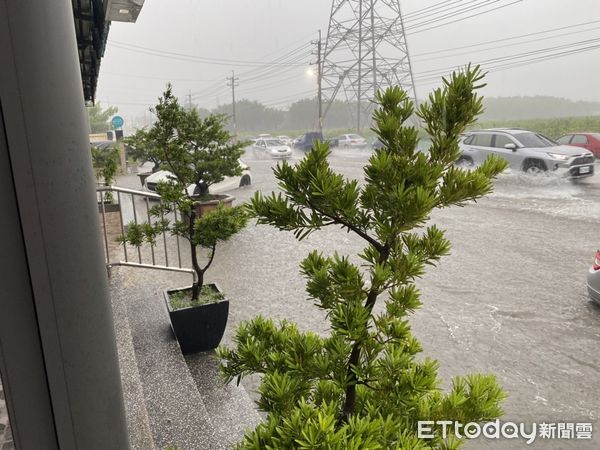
(558, 156)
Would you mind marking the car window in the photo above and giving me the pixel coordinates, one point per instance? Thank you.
(579, 139)
(564, 139)
(534, 140)
(482, 140)
(273, 142)
(354, 136)
(501, 140)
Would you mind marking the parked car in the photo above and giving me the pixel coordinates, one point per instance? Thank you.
(527, 151)
(228, 184)
(593, 279)
(306, 141)
(352, 141)
(286, 140)
(589, 141)
(271, 147)
(333, 142)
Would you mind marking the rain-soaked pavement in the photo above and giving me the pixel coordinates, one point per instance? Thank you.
(510, 299)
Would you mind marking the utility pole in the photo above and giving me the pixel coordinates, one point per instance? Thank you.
(232, 81)
(189, 99)
(319, 76)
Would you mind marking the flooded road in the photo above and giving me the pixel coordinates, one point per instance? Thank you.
(509, 300)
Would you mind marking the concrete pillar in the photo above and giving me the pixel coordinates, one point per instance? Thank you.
(62, 302)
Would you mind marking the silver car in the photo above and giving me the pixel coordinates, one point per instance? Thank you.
(593, 279)
(527, 151)
(271, 147)
(351, 141)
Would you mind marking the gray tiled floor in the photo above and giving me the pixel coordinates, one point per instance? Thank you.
(6, 439)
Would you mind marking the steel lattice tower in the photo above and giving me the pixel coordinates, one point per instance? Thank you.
(366, 50)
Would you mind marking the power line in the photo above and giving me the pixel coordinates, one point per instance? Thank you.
(289, 56)
(506, 64)
(269, 72)
(467, 17)
(424, 11)
(448, 12)
(503, 46)
(507, 38)
(267, 86)
(545, 58)
(190, 58)
(511, 57)
(146, 77)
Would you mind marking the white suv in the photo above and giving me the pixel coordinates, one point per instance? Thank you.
(527, 151)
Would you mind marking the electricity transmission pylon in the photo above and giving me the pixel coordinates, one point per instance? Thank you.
(366, 50)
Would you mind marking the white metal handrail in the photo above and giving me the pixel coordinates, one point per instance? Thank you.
(168, 242)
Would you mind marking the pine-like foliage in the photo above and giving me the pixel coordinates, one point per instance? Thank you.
(365, 386)
(197, 152)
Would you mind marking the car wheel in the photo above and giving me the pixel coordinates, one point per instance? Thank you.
(245, 181)
(534, 167)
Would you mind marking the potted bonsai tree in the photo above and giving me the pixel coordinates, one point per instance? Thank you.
(364, 385)
(198, 153)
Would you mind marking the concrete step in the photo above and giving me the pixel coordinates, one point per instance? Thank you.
(138, 423)
(184, 411)
(230, 409)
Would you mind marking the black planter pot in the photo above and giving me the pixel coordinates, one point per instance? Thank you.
(198, 328)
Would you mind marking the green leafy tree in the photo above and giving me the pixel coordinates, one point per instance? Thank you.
(141, 147)
(100, 118)
(362, 386)
(106, 164)
(253, 116)
(197, 152)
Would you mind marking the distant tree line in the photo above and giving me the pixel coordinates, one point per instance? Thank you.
(553, 128)
(100, 118)
(538, 107)
(550, 115)
(253, 116)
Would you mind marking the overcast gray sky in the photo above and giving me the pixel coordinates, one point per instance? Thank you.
(244, 32)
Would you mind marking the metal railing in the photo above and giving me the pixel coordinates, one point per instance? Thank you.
(131, 205)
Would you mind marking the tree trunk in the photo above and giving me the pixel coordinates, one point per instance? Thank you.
(201, 189)
(350, 401)
(197, 286)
